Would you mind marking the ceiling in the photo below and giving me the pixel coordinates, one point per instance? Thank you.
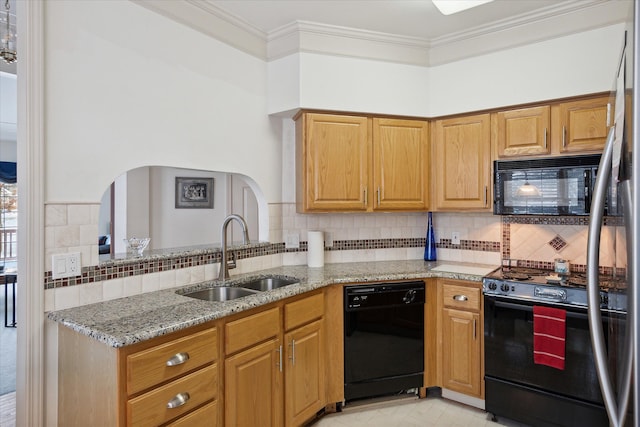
(413, 18)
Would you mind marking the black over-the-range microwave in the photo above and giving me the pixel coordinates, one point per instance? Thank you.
(547, 186)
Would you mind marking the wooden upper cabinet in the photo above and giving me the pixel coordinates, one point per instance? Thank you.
(355, 163)
(462, 163)
(400, 164)
(555, 129)
(582, 125)
(522, 132)
(333, 162)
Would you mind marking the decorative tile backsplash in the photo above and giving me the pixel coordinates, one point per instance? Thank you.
(537, 241)
(484, 238)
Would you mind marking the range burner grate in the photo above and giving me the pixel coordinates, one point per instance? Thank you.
(509, 275)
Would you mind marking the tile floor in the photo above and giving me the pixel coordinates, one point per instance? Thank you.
(411, 412)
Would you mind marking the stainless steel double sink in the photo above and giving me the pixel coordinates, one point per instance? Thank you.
(242, 289)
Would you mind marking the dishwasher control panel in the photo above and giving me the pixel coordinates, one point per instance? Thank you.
(383, 294)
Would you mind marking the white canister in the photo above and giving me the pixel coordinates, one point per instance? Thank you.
(562, 266)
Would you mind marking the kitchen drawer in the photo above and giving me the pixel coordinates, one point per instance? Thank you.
(250, 330)
(205, 416)
(150, 409)
(150, 367)
(303, 311)
(460, 296)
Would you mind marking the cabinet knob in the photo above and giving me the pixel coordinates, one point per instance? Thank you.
(178, 400)
(178, 359)
(460, 298)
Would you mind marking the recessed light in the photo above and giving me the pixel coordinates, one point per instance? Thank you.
(448, 7)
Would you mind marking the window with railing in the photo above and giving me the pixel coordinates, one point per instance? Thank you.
(8, 223)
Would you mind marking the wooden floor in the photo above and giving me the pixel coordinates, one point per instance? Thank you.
(8, 410)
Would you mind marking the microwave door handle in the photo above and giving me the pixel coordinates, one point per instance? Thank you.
(587, 191)
(593, 289)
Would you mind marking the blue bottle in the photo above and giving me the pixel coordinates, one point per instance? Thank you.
(430, 244)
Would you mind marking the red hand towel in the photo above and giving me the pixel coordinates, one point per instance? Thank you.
(549, 331)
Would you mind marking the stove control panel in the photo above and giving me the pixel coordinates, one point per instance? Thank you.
(550, 293)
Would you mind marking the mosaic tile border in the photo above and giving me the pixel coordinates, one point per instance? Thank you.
(557, 220)
(126, 267)
(575, 268)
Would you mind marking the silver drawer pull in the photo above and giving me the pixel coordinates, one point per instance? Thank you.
(460, 297)
(178, 400)
(178, 359)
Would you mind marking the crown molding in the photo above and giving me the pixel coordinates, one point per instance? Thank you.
(205, 17)
(558, 20)
(549, 23)
(303, 36)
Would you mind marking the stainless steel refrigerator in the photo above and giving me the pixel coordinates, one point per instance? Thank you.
(616, 349)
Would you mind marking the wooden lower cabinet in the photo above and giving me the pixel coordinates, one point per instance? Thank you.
(461, 336)
(253, 386)
(304, 373)
(275, 365)
(461, 346)
(164, 381)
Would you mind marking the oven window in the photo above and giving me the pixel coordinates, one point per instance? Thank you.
(509, 351)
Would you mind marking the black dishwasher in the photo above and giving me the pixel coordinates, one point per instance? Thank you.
(383, 338)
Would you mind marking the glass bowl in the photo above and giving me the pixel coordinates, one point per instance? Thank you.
(137, 244)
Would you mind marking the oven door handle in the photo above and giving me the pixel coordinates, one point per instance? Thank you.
(570, 310)
(616, 410)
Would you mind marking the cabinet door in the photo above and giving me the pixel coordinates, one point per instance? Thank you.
(334, 163)
(523, 132)
(461, 358)
(462, 157)
(400, 164)
(582, 125)
(304, 373)
(253, 387)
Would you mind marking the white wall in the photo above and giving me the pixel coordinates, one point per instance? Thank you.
(126, 87)
(173, 228)
(567, 66)
(156, 92)
(138, 208)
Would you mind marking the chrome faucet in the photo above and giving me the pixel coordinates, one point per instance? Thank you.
(224, 266)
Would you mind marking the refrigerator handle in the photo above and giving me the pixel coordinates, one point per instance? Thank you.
(624, 391)
(596, 217)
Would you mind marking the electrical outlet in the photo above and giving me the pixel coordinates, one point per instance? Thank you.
(328, 240)
(292, 241)
(455, 238)
(66, 265)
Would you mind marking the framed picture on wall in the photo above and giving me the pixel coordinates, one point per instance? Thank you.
(194, 193)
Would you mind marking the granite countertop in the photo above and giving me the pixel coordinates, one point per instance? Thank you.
(137, 318)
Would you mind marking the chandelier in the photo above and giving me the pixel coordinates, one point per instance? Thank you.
(8, 41)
